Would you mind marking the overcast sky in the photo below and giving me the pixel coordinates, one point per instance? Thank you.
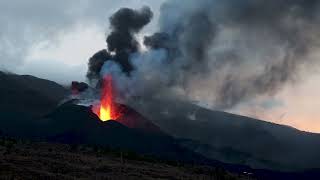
(54, 39)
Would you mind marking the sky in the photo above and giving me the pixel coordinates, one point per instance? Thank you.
(55, 39)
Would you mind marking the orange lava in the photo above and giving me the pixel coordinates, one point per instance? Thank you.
(107, 109)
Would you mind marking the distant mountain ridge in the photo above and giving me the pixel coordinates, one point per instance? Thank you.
(29, 95)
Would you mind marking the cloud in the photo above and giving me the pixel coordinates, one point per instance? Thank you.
(53, 70)
(27, 24)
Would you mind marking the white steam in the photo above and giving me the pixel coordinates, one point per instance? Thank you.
(151, 71)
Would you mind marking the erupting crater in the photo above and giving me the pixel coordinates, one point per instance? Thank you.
(107, 109)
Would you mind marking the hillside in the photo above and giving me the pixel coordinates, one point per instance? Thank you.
(29, 95)
(73, 124)
(235, 139)
(27, 160)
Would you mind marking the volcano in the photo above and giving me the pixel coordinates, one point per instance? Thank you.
(107, 108)
(147, 129)
(74, 124)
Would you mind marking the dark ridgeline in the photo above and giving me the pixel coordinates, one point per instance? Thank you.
(29, 95)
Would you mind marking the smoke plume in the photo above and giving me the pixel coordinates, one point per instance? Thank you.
(220, 52)
(125, 23)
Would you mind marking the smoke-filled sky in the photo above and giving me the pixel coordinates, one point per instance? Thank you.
(55, 39)
(252, 57)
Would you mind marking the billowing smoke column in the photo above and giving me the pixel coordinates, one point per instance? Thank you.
(125, 23)
(221, 52)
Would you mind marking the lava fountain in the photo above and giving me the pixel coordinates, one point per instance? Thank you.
(107, 109)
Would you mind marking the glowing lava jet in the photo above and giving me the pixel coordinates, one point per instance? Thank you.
(107, 109)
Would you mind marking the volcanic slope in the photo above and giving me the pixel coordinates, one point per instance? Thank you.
(234, 139)
(28, 95)
(73, 124)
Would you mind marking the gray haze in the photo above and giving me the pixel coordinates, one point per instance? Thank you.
(241, 49)
(224, 53)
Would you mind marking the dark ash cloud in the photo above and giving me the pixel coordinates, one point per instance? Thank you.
(223, 53)
(238, 49)
(121, 42)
